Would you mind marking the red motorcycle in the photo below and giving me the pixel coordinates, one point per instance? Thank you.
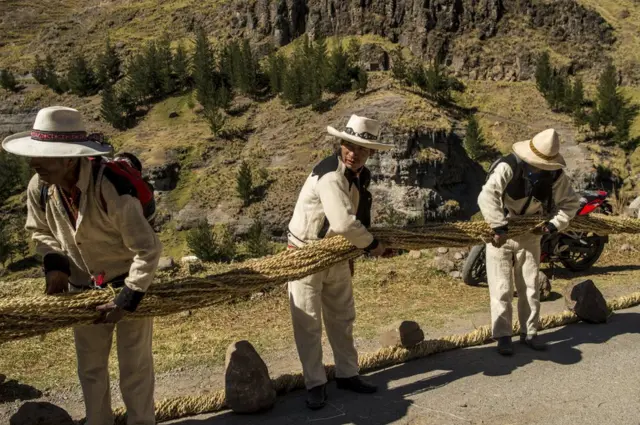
(577, 251)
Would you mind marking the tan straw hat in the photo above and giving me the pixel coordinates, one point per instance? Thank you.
(543, 151)
(58, 132)
(362, 131)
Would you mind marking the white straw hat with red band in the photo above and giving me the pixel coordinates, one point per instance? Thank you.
(58, 132)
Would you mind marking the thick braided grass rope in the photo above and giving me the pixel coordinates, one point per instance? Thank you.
(22, 316)
(180, 407)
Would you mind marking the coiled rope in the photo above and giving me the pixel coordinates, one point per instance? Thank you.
(27, 316)
(180, 407)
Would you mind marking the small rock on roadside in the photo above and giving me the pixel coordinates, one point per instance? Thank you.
(626, 248)
(248, 387)
(406, 333)
(442, 251)
(40, 413)
(456, 274)
(458, 256)
(186, 313)
(586, 300)
(443, 264)
(415, 254)
(166, 263)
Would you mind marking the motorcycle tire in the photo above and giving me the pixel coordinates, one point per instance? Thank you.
(474, 271)
(589, 261)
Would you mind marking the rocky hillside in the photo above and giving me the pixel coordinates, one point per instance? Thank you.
(489, 44)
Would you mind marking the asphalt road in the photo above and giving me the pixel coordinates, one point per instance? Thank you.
(589, 375)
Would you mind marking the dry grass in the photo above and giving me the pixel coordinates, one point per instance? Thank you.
(626, 30)
(507, 111)
(385, 290)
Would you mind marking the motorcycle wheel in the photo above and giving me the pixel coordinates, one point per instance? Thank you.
(581, 261)
(474, 271)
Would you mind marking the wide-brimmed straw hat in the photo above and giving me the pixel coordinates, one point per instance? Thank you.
(543, 151)
(58, 132)
(362, 131)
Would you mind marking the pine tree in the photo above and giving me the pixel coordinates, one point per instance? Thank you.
(353, 51)
(39, 71)
(292, 90)
(257, 240)
(203, 69)
(340, 80)
(51, 76)
(201, 240)
(249, 70)
(128, 108)
(276, 69)
(362, 81)
(558, 92)
(8, 81)
(215, 118)
(399, 69)
(225, 244)
(154, 64)
(137, 80)
(181, 68)
(609, 100)
(474, 140)
(165, 63)
(544, 73)
(417, 75)
(318, 73)
(110, 108)
(108, 65)
(437, 83)
(244, 183)
(80, 77)
(622, 124)
(577, 96)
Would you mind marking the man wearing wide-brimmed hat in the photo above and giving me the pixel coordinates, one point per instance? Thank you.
(85, 228)
(333, 201)
(530, 181)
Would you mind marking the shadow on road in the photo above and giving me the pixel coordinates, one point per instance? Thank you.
(12, 390)
(398, 384)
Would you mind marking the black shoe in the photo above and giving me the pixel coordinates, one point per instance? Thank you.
(505, 346)
(356, 384)
(317, 397)
(533, 342)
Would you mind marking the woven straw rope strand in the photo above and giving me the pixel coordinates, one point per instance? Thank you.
(27, 316)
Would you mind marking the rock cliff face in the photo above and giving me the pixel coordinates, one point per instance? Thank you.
(426, 168)
(449, 29)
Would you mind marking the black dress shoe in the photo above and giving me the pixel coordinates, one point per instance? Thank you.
(505, 346)
(356, 384)
(533, 342)
(317, 397)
